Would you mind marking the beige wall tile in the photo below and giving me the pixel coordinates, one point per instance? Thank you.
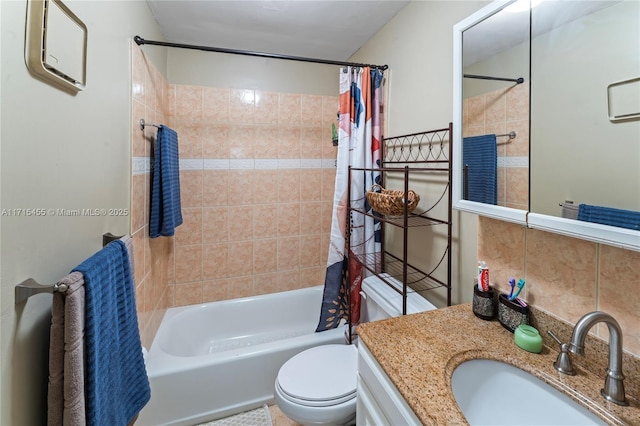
(266, 107)
(240, 187)
(240, 286)
(289, 280)
(265, 256)
(495, 107)
(138, 202)
(561, 274)
(190, 232)
(215, 188)
(241, 223)
(241, 106)
(240, 258)
(288, 253)
(618, 295)
(501, 245)
(215, 224)
(188, 103)
(215, 290)
(311, 142)
(266, 141)
(265, 220)
(215, 140)
(188, 263)
(288, 185)
(266, 283)
(241, 141)
(311, 110)
(310, 218)
(191, 188)
(310, 251)
(289, 109)
(188, 294)
(215, 261)
(265, 186)
(289, 141)
(310, 180)
(215, 107)
(288, 219)
(518, 102)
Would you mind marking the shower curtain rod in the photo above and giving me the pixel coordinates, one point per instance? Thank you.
(140, 41)
(486, 77)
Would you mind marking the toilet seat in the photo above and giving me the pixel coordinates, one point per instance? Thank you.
(320, 377)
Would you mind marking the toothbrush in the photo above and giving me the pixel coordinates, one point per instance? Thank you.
(512, 283)
(519, 285)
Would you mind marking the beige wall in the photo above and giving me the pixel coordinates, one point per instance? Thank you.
(61, 152)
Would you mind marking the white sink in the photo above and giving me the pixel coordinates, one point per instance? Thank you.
(495, 393)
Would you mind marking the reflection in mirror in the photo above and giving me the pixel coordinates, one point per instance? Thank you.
(580, 159)
(495, 109)
(486, 44)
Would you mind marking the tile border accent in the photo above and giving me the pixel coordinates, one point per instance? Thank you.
(142, 165)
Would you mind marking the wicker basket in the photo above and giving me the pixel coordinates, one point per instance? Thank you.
(389, 202)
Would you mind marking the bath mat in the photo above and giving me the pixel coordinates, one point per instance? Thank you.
(258, 417)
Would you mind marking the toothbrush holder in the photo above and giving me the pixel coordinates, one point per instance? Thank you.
(484, 303)
(511, 314)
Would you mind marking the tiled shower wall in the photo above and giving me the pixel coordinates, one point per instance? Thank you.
(501, 112)
(153, 257)
(257, 181)
(566, 277)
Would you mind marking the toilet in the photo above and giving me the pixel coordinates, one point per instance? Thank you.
(318, 386)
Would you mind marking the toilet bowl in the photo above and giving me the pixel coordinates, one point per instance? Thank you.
(318, 386)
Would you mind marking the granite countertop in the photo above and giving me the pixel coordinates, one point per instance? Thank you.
(420, 351)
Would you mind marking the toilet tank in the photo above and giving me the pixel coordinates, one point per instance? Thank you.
(379, 301)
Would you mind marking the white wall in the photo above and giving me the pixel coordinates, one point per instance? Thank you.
(59, 151)
(418, 47)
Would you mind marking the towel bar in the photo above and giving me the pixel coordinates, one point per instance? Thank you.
(31, 287)
(143, 124)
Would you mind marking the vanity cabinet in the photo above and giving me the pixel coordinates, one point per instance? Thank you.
(379, 401)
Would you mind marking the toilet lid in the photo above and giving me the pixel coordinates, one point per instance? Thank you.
(322, 373)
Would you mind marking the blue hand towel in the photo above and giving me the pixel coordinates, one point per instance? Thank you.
(480, 156)
(609, 216)
(117, 386)
(166, 213)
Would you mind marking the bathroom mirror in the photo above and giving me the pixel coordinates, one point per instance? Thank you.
(579, 51)
(580, 153)
(491, 112)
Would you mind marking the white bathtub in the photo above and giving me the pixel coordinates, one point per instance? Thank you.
(216, 359)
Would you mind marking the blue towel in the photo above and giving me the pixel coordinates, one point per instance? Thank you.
(166, 213)
(609, 216)
(480, 156)
(116, 382)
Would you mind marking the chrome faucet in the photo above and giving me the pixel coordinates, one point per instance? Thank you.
(613, 389)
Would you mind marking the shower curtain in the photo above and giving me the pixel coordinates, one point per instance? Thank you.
(358, 146)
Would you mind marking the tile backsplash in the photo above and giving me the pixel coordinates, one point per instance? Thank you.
(566, 277)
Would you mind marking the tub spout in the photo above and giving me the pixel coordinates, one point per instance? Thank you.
(613, 389)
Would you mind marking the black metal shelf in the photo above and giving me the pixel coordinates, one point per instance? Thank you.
(411, 155)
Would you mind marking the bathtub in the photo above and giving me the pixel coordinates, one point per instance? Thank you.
(216, 359)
